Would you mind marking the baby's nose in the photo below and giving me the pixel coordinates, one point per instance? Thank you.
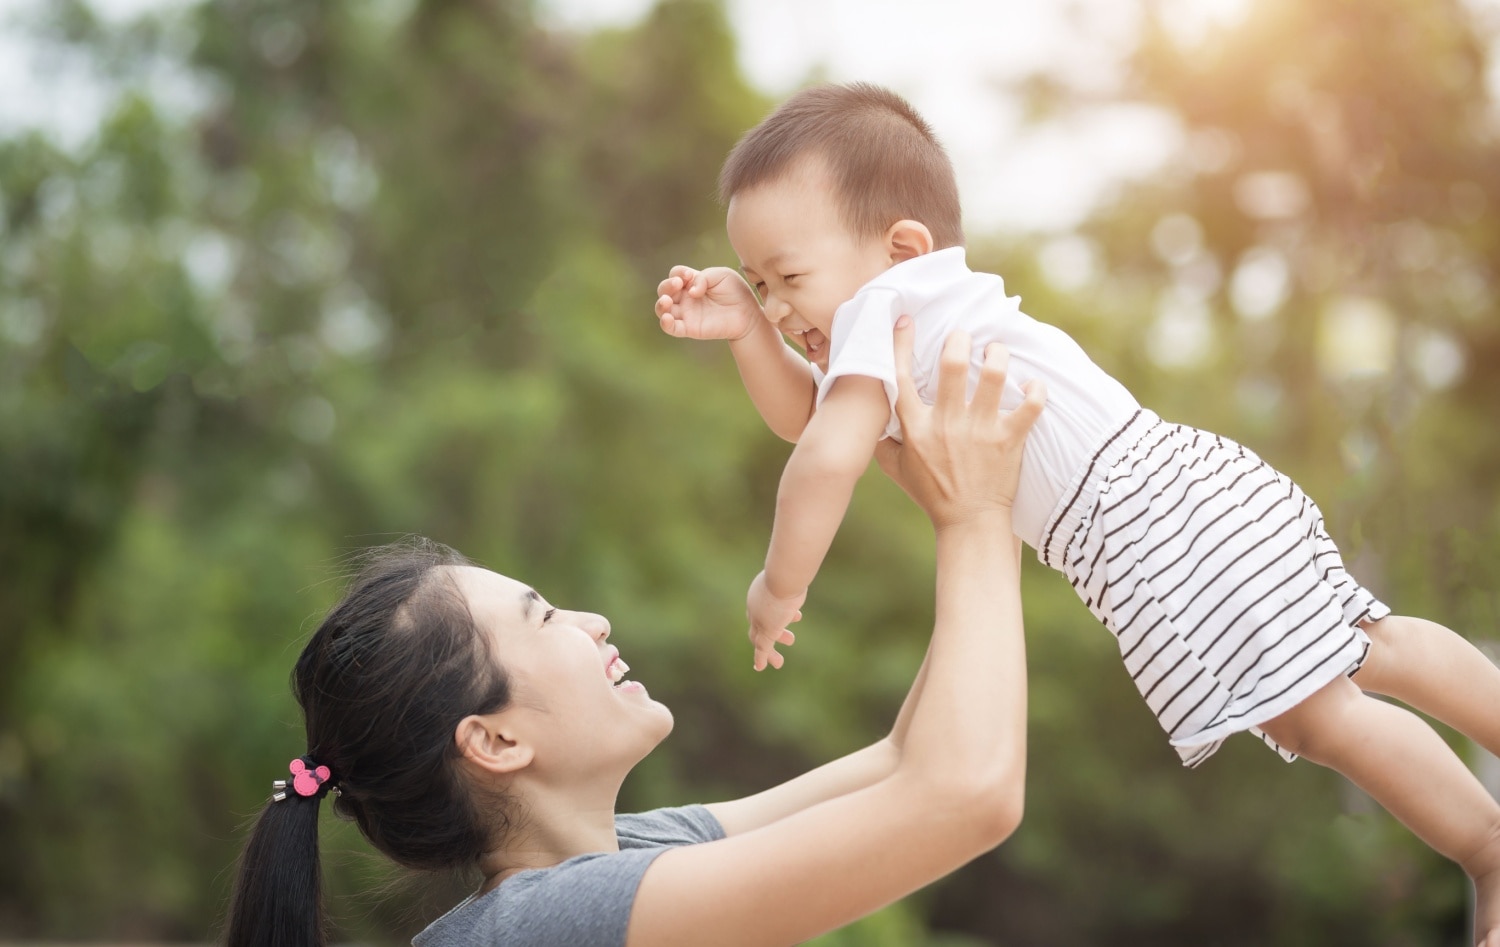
(776, 309)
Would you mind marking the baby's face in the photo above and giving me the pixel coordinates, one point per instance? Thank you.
(796, 251)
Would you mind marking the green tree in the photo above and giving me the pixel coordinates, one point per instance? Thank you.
(392, 273)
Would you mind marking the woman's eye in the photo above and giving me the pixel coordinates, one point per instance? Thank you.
(788, 279)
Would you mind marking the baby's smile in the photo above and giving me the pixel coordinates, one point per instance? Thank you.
(814, 343)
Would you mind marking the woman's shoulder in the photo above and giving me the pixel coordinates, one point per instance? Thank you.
(681, 825)
(584, 900)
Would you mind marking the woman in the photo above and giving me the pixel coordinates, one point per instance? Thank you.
(465, 721)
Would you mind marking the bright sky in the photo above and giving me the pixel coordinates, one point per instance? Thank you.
(952, 58)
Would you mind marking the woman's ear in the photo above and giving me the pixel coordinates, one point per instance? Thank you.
(487, 743)
(906, 239)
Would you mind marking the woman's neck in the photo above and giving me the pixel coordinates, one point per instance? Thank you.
(554, 827)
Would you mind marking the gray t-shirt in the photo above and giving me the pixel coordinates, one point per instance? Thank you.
(582, 902)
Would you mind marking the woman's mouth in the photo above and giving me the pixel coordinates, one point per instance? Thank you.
(616, 670)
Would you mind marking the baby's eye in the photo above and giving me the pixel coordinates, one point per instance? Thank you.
(547, 615)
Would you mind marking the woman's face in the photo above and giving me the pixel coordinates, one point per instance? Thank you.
(570, 700)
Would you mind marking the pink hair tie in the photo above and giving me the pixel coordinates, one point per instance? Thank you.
(309, 779)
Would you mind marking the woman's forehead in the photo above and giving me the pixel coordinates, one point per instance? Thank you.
(495, 598)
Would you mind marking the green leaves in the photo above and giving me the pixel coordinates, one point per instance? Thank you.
(390, 272)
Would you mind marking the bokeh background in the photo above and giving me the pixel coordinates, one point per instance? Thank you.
(280, 279)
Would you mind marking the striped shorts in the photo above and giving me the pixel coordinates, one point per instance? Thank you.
(1216, 575)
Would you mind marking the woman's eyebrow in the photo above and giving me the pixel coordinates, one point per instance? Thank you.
(529, 598)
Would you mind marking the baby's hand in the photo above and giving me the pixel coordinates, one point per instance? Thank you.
(715, 303)
(769, 615)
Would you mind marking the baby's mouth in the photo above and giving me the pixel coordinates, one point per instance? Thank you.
(815, 344)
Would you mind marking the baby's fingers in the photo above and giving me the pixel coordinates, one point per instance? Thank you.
(766, 655)
(670, 286)
(694, 283)
(669, 323)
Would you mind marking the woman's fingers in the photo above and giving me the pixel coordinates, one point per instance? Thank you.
(986, 400)
(906, 389)
(953, 374)
(1030, 407)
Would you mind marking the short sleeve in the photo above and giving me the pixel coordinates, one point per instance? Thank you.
(685, 825)
(584, 900)
(861, 343)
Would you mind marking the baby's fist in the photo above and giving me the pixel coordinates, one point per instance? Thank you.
(715, 303)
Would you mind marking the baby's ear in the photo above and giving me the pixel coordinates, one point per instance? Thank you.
(906, 239)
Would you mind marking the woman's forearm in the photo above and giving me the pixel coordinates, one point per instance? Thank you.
(967, 724)
(899, 729)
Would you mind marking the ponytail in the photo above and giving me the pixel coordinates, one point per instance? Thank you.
(278, 894)
(383, 682)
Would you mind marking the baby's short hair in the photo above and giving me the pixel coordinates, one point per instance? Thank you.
(886, 162)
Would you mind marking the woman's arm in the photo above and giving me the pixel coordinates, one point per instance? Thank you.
(863, 767)
(956, 789)
(856, 770)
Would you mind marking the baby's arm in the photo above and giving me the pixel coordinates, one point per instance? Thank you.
(778, 380)
(717, 303)
(815, 490)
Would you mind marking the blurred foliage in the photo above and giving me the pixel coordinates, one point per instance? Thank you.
(390, 272)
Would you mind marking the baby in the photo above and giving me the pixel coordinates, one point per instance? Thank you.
(1230, 603)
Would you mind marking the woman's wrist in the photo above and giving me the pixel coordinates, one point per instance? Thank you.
(991, 519)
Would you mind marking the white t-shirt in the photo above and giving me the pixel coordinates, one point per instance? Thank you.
(940, 293)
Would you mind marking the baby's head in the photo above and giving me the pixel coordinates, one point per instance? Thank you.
(835, 186)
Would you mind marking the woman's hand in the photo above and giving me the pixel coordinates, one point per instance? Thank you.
(959, 460)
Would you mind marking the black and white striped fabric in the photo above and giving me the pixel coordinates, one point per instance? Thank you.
(1214, 571)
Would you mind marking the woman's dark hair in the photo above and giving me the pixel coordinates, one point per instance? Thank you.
(383, 684)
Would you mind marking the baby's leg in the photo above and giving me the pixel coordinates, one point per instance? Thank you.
(1398, 759)
(1425, 665)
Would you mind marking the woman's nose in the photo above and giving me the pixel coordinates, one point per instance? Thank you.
(596, 625)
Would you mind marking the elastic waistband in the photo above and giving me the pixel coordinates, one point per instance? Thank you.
(1083, 490)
